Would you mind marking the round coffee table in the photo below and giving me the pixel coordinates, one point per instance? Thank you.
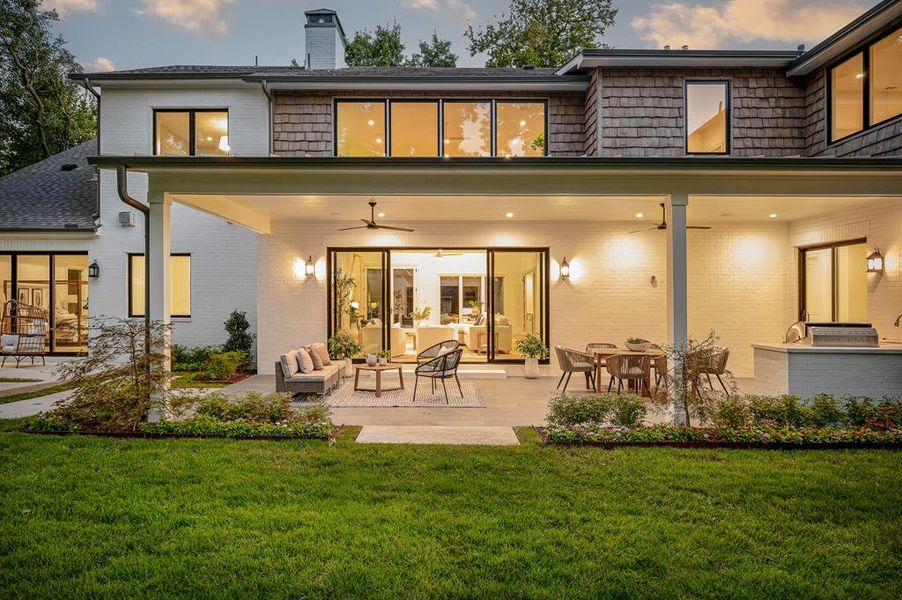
(378, 369)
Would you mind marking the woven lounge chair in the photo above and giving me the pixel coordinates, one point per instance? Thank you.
(628, 367)
(442, 367)
(573, 361)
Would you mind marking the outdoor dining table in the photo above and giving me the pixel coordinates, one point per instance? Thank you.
(602, 354)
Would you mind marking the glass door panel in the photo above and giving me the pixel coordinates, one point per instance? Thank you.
(33, 285)
(518, 300)
(818, 285)
(70, 303)
(851, 283)
(358, 294)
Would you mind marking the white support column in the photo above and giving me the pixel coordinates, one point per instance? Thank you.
(158, 265)
(677, 274)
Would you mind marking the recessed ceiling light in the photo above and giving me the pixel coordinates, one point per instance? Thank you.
(379, 140)
(639, 215)
(371, 122)
(859, 75)
(509, 215)
(522, 123)
(773, 215)
(380, 215)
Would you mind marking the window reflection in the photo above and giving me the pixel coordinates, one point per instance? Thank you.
(847, 87)
(173, 134)
(360, 128)
(886, 78)
(414, 129)
(211, 134)
(706, 118)
(467, 129)
(521, 128)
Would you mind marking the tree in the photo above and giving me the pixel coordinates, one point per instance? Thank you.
(42, 112)
(542, 33)
(385, 49)
(435, 54)
(382, 49)
(240, 340)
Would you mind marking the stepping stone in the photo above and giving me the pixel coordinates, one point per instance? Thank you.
(410, 434)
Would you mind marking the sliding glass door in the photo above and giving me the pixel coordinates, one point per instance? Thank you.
(357, 295)
(518, 300)
(834, 283)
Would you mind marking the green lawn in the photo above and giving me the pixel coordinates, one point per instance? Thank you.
(86, 516)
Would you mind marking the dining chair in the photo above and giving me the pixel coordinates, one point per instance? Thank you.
(716, 365)
(573, 361)
(591, 348)
(628, 367)
(660, 365)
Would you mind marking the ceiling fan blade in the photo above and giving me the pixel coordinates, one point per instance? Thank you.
(697, 227)
(356, 227)
(369, 223)
(655, 228)
(393, 228)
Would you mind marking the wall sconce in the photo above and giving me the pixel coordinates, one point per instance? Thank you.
(565, 269)
(309, 267)
(94, 270)
(875, 261)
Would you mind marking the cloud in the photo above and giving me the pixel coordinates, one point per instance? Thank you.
(706, 26)
(101, 64)
(64, 7)
(455, 7)
(204, 16)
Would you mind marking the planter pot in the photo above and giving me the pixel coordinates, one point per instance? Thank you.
(383, 360)
(348, 370)
(531, 368)
(638, 347)
(370, 360)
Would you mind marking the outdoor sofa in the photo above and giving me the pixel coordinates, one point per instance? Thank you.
(290, 375)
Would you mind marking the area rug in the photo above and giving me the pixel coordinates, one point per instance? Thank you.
(346, 397)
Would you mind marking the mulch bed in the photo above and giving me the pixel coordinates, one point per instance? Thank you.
(718, 444)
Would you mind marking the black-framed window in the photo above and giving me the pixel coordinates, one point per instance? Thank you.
(707, 113)
(833, 282)
(191, 132)
(864, 89)
(180, 285)
(447, 128)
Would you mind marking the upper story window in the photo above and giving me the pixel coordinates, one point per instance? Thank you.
(201, 132)
(865, 89)
(431, 128)
(707, 117)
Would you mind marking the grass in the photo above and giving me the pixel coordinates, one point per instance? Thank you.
(18, 380)
(53, 389)
(186, 379)
(85, 516)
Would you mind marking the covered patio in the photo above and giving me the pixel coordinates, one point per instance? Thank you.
(739, 278)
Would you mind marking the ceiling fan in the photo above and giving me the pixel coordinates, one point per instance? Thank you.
(663, 224)
(371, 222)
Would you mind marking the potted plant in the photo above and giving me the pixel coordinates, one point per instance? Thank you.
(384, 356)
(344, 346)
(475, 307)
(421, 314)
(533, 348)
(638, 344)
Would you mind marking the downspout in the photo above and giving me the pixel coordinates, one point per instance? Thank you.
(122, 188)
(268, 94)
(86, 83)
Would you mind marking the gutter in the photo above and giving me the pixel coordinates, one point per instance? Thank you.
(122, 189)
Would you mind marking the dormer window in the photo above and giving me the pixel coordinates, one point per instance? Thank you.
(865, 89)
(200, 132)
(707, 117)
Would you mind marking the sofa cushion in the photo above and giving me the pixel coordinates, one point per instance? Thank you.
(305, 363)
(327, 372)
(317, 361)
(320, 349)
(289, 362)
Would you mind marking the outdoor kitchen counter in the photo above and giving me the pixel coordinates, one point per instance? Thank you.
(805, 371)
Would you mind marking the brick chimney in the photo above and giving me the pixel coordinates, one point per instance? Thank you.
(325, 40)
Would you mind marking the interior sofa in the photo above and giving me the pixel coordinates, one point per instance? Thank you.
(290, 378)
(475, 335)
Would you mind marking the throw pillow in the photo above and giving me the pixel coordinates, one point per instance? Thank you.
(304, 361)
(317, 361)
(323, 352)
(289, 362)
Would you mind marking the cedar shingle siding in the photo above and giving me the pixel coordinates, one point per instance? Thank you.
(302, 122)
(883, 140)
(642, 111)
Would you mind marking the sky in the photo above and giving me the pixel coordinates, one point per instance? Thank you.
(124, 34)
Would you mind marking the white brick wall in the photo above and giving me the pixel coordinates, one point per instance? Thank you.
(609, 296)
(880, 222)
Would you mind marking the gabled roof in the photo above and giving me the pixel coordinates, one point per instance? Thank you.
(45, 197)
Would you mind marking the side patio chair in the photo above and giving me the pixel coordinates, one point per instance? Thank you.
(436, 349)
(442, 367)
(573, 361)
(629, 367)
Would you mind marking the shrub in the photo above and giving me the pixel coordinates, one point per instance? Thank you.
(731, 413)
(576, 410)
(858, 410)
(222, 366)
(239, 339)
(191, 359)
(627, 410)
(251, 406)
(824, 410)
(782, 410)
